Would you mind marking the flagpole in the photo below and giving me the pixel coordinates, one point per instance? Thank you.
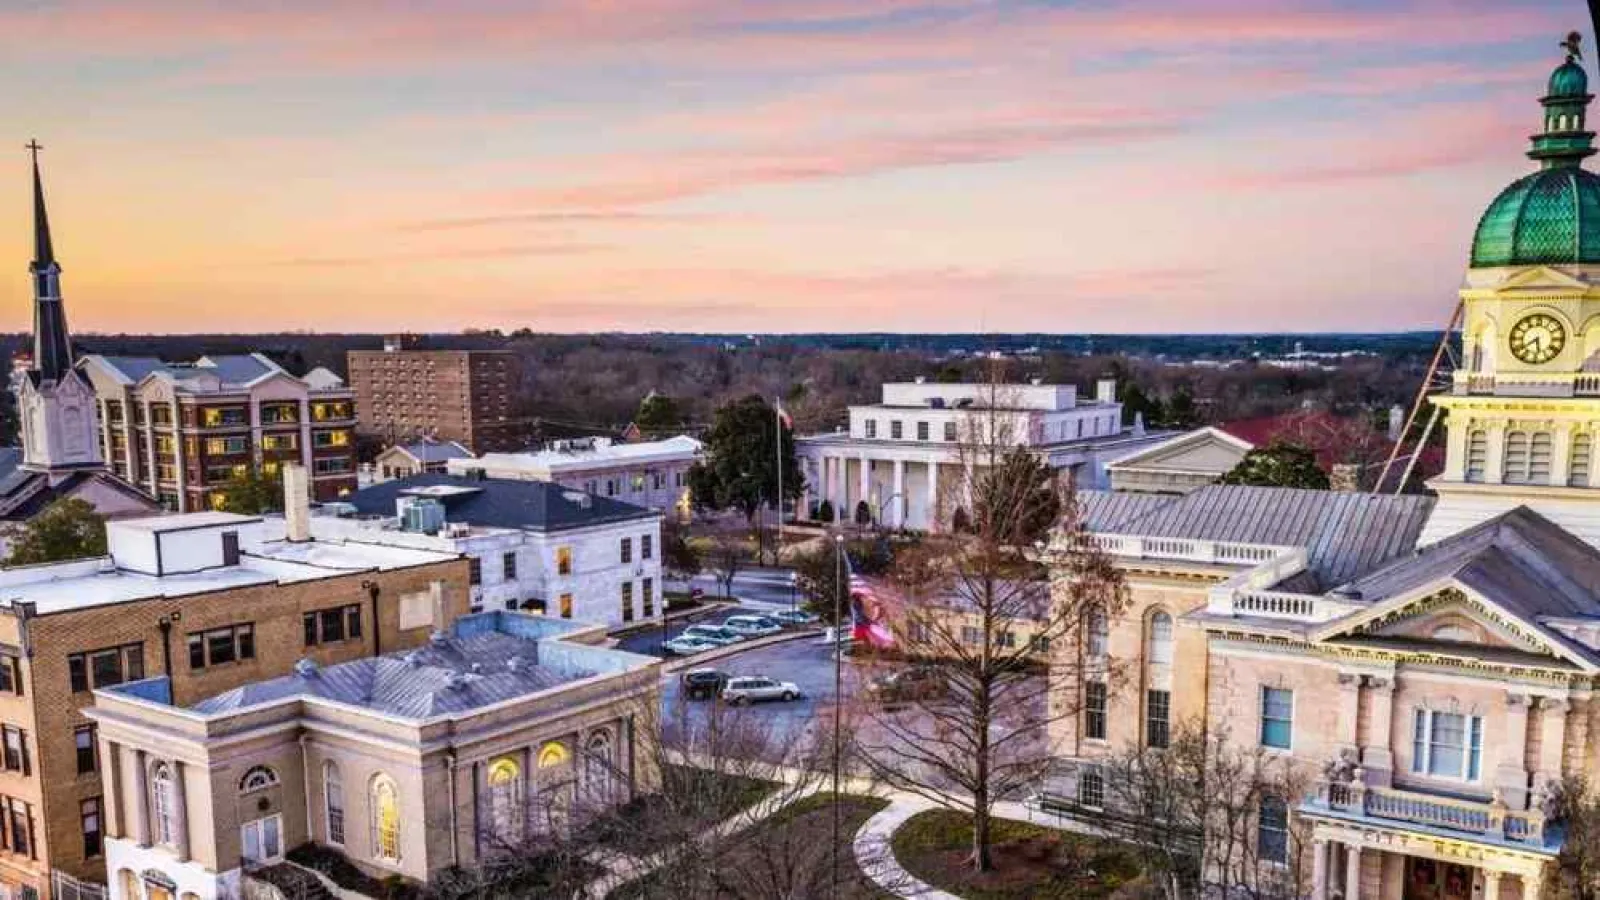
(838, 690)
(777, 423)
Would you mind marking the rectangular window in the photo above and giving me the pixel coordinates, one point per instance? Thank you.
(922, 431)
(871, 428)
(649, 597)
(220, 416)
(627, 550)
(10, 675)
(627, 601)
(161, 415)
(1447, 745)
(15, 745)
(896, 429)
(971, 635)
(330, 466)
(647, 546)
(1272, 830)
(474, 570)
(950, 431)
(329, 626)
(83, 743)
(1091, 787)
(21, 822)
(566, 606)
(280, 441)
(563, 560)
(227, 446)
(330, 439)
(1094, 710)
(1277, 717)
(104, 668)
(1158, 718)
(508, 566)
(89, 816)
(219, 646)
(280, 413)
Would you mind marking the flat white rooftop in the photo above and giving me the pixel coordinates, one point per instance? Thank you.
(186, 522)
(600, 455)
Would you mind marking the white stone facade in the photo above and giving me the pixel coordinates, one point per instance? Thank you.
(652, 474)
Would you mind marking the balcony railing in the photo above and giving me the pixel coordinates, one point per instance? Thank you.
(1536, 384)
(1186, 550)
(1490, 820)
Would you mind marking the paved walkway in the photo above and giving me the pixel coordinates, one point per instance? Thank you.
(875, 856)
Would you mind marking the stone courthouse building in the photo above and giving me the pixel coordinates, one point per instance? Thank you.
(1428, 664)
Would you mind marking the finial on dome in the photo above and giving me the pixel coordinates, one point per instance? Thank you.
(1573, 45)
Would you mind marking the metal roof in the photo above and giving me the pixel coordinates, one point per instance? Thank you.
(1345, 535)
(500, 503)
(1106, 511)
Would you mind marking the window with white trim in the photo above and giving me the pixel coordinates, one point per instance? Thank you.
(1272, 829)
(1091, 787)
(1447, 745)
(1160, 650)
(1277, 717)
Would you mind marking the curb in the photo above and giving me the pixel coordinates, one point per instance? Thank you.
(706, 608)
(678, 663)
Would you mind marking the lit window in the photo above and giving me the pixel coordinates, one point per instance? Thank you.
(505, 798)
(385, 817)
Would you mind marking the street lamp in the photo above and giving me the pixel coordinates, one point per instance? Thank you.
(838, 691)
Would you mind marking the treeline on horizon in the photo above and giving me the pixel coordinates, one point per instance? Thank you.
(597, 380)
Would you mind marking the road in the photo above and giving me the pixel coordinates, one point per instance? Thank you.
(758, 590)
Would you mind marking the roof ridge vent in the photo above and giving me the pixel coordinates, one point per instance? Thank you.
(307, 668)
(455, 681)
(514, 664)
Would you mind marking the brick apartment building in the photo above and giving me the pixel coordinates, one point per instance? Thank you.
(448, 395)
(183, 431)
(210, 600)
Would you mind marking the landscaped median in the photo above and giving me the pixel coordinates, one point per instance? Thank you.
(1030, 861)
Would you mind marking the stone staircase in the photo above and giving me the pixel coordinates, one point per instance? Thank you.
(287, 881)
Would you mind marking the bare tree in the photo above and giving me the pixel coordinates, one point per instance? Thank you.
(1577, 805)
(1209, 817)
(982, 609)
(726, 556)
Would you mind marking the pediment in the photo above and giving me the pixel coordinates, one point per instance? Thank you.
(1449, 617)
(1206, 450)
(1541, 280)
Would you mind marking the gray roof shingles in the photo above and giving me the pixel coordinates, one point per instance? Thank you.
(503, 503)
(437, 451)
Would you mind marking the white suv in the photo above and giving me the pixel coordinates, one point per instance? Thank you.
(756, 688)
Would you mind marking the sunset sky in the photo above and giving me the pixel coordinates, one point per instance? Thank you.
(765, 165)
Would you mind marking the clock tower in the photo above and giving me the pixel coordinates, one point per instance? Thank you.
(1524, 407)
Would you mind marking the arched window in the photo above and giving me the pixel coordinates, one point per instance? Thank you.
(505, 798)
(1582, 455)
(385, 817)
(553, 754)
(1539, 453)
(258, 778)
(333, 801)
(1477, 454)
(1099, 634)
(164, 803)
(1160, 649)
(598, 765)
(1515, 470)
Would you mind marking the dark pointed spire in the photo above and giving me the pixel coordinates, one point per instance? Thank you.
(52, 351)
(43, 252)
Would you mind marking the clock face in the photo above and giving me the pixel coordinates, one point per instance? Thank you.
(1538, 339)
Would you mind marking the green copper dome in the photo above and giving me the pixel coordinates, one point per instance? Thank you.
(1551, 217)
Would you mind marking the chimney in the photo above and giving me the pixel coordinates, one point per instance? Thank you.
(296, 502)
(1105, 390)
(1345, 477)
(1397, 421)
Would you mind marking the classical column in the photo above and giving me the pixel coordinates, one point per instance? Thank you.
(897, 516)
(180, 812)
(110, 785)
(1495, 460)
(838, 492)
(1376, 756)
(933, 496)
(865, 485)
(1352, 872)
(1455, 457)
(1349, 713)
(1561, 455)
(1319, 869)
(1530, 887)
(1552, 739)
(1510, 776)
(1491, 884)
(141, 799)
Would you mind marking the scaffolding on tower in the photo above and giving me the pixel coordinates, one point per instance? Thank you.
(1439, 377)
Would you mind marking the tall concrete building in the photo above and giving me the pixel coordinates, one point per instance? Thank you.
(448, 395)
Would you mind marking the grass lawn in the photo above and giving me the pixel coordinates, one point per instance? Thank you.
(785, 853)
(1030, 860)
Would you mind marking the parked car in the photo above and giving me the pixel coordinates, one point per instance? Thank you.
(906, 685)
(758, 688)
(685, 645)
(752, 626)
(697, 593)
(794, 617)
(703, 684)
(714, 634)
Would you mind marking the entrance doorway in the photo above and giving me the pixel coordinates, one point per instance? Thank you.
(1428, 879)
(263, 839)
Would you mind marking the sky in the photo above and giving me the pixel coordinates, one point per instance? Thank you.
(765, 165)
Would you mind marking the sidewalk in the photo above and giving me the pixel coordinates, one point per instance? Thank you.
(875, 855)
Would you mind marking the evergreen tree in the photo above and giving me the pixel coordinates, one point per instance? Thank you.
(740, 470)
(252, 494)
(66, 529)
(1279, 464)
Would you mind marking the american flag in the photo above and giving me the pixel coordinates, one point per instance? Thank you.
(866, 611)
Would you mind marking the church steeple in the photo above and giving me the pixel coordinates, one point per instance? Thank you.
(52, 351)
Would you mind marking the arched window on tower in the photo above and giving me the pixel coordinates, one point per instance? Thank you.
(1515, 468)
(1540, 451)
(1582, 456)
(1159, 652)
(505, 799)
(1477, 454)
(333, 800)
(163, 803)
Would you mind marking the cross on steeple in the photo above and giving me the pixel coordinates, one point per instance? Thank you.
(35, 146)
